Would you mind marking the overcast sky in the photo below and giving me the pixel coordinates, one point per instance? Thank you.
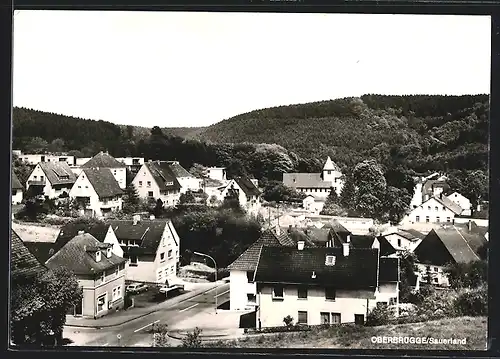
(195, 69)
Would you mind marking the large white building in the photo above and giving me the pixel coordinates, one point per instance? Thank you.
(317, 184)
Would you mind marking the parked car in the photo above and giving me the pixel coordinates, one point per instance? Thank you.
(136, 288)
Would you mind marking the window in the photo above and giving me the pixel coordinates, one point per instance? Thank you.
(170, 253)
(302, 292)
(336, 318)
(436, 208)
(172, 269)
(114, 172)
(437, 219)
(448, 219)
(140, 183)
(41, 178)
(436, 269)
(160, 275)
(278, 293)
(302, 317)
(393, 301)
(426, 219)
(117, 293)
(435, 280)
(429, 208)
(162, 256)
(330, 260)
(359, 319)
(399, 242)
(330, 293)
(102, 277)
(325, 318)
(428, 268)
(150, 194)
(133, 261)
(251, 298)
(417, 219)
(117, 270)
(444, 208)
(101, 302)
(79, 186)
(149, 183)
(329, 172)
(250, 276)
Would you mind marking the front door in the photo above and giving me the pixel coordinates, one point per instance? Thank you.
(78, 308)
(359, 319)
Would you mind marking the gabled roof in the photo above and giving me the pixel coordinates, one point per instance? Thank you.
(305, 180)
(178, 170)
(163, 175)
(103, 181)
(247, 261)
(428, 186)
(72, 229)
(404, 234)
(247, 186)
(147, 233)
(16, 184)
(318, 235)
(41, 250)
(413, 232)
(290, 265)
(297, 235)
(78, 256)
(330, 165)
(103, 160)
(445, 244)
(362, 241)
(58, 173)
(22, 262)
(445, 201)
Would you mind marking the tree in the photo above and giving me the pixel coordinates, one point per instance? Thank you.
(158, 210)
(39, 306)
(348, 192)
(187, 198)
(131, 200)
(332, 205)
(56, 145)
(36, 145)
(407, 276)
(193, 339)
(199, 171)
(396, 203)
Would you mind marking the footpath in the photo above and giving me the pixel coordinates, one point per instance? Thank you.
(125, 316)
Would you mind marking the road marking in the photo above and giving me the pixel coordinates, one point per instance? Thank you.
(183, 310)
(138, 330)
(218, 295)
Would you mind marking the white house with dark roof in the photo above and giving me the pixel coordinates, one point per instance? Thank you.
(313, 204)
(187, 181)
(152, 247)
(97, 191)
(17, 189)
(133, 163)
(435, 210)
(403, 240)
(444, 246)
(105, 160)
(249, 196)
(462, 201)
(317, 184)
(320, 285)
(51, 179)
(36, 158)
(217, 173)
(156, 180)
(100, 273)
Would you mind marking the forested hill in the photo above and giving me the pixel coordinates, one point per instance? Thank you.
(424, 132)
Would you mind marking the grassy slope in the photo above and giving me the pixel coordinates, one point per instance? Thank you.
(474, 329)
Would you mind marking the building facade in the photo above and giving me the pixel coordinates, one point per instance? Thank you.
(50, 179)
(155, 180)
(105, 160)
(17, 189)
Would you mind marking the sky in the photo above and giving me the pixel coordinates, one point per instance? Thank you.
(187, 69)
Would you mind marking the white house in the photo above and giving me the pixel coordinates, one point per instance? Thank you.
(51, 179)
(403, 240)
(156, 180)
(248, 194)
(320, 285)
(187, 181)
(243, 289)
(462, 201)
(434, 210)
(317, 184)
(17, 189)
(152, 247)
(133, 163)
(97, 191)
(104, 160)
(313, 204)
(217, 173)
(34, 159)
(82, 160)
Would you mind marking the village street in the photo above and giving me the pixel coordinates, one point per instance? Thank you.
(196, 311)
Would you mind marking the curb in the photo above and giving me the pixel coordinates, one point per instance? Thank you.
(179, 336)
(134, 318)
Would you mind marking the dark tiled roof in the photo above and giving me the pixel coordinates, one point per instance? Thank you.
(163, 175)
(16, 184)
(464, 227)
(429, 185)
(290, 265)
(305, 180)
(247, 186)
(58, 173)
(297, 235)
(386, 247)
(178, 170)
(318, 235)
(362, 241)
(71, 230)
(452, 206)
(41, 250)
(389, 270)
(103, 181)
(77, 255)
(22, 262)
(147, 233)
(103, 160)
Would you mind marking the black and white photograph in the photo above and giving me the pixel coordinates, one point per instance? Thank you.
(249, 180)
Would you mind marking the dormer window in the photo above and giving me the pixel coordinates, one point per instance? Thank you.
(330, 260)
(169, 183)
(98, 256)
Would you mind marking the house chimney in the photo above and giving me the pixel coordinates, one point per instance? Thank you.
(348, 238)
(152, 217)
(289, 228)
(81, 232)
(108, 252)
(345, 247)
(300, 245)
(136, 219)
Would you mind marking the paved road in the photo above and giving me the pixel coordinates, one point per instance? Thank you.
(136, 331)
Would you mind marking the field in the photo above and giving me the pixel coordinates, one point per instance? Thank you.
(473, 329)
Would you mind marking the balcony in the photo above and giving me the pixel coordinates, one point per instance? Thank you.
(36, 183)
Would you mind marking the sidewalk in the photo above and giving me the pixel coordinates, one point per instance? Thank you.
(125, 316)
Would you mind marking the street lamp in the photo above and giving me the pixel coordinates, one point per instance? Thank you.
(215, 264)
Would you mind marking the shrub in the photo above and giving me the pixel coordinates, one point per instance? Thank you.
(192, 340)
(472, 302)
(380, 315)
(424, 292)
(468, 275)
(288, 320)
(221, 273)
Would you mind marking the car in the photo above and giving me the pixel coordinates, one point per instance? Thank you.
(136, 288)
